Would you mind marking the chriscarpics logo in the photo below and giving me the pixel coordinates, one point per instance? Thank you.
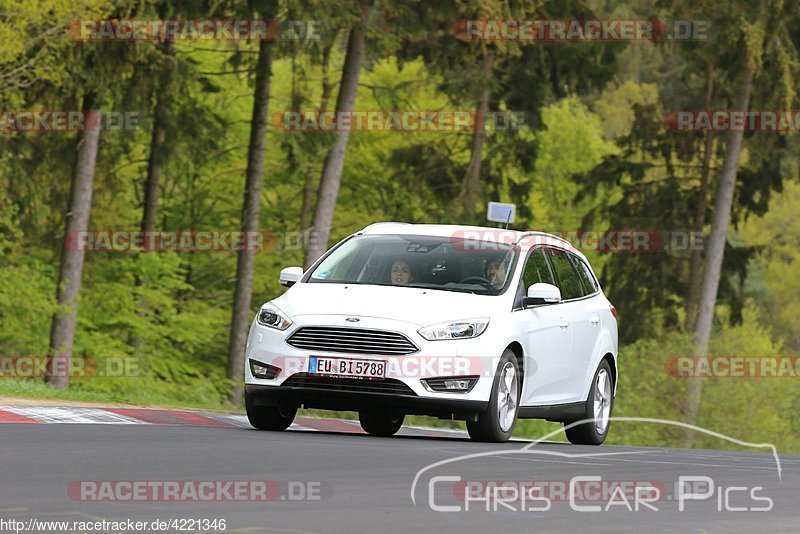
(550, 478)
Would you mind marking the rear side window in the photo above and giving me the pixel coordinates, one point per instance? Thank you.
(536, 270)
(587, 279)
(567, 277)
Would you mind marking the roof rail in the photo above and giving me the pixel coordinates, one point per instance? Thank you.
(525, 234)
(373, 225)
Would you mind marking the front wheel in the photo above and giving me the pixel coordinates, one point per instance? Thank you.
(497, 423)
(381, 423)
(268, 417)
(597, 411)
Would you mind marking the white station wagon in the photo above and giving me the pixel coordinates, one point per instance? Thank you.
(468, 323)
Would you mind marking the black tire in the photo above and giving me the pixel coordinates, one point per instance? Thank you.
(383, 424)
(268, 417)
(488, 428)
(587, 433)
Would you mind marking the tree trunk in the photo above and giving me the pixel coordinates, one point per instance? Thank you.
(240, 320)
(62, 333)
(696, 265)
(156, 159)
(309, 182)
(470, 186)
(715, 252)
(334, 161)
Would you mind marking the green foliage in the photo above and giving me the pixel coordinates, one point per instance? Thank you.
(772, 278)
(759, 410)
(26, 308)
(616, 106)
(570, 142)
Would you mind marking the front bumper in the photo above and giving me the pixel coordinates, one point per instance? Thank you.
(468, 357)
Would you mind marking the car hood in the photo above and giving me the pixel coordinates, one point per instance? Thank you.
(413, 305)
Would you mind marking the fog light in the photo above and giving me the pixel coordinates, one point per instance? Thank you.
(456, 384)
(450, 384)
(263, 370)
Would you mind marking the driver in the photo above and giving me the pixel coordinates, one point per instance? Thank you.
(401, 273)
(495, 270)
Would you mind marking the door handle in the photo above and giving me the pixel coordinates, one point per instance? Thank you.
(563, 323)
(594, 319)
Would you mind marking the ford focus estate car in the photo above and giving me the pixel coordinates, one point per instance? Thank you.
(465, 323)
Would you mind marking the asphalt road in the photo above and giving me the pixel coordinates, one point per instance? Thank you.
(359, 483)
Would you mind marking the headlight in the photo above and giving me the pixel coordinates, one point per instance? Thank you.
(455, 330)
(270, 316)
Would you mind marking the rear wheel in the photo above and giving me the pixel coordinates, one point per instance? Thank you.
(598, 410)
(268, 417)
(497, 423)
(381, 423)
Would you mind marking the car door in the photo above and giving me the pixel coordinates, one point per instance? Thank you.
(588, 317)
(548, 340)
(584, 322)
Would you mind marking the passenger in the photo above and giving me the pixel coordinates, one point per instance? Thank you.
(401, 273)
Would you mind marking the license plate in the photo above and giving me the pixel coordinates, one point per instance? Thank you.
(347, 367)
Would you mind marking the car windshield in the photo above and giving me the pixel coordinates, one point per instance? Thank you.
(441, 263)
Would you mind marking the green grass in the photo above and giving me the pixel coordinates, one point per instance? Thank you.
(30, 389)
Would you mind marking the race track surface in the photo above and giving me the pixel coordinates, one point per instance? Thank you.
(336, 479)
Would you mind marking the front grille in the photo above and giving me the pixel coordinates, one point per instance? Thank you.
(351, 385)
(351, 340)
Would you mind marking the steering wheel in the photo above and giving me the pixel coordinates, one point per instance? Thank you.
(481, 280)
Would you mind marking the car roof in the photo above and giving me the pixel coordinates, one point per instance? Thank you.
(468, 232)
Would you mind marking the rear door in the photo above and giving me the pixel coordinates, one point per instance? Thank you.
(548, 340)
(588, 315)
(584, 331)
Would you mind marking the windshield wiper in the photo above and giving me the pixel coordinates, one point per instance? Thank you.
(441, 288)
(415, 286)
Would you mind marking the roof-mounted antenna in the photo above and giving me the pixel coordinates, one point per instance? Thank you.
(508, 219)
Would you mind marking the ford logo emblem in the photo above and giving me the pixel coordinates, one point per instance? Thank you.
(352, 319)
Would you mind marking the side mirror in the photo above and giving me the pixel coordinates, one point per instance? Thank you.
(290, 275)
(541, 293)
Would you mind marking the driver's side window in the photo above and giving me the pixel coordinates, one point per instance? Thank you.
(536, 270)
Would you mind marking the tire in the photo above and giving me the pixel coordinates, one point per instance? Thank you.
(268, 417)
(599, 406)
(381, 424)
(496, 424)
